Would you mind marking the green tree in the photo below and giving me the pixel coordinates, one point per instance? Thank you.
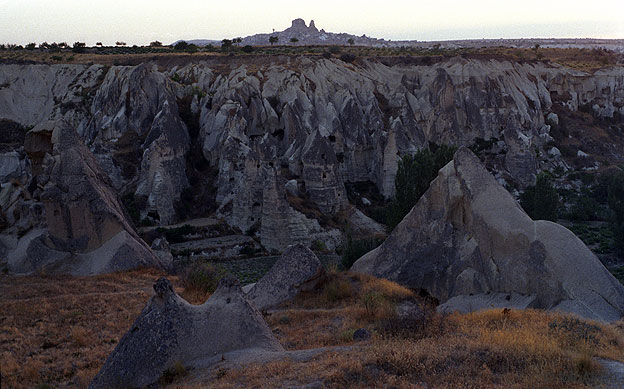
(414, 175)
(616, 203)
(181, 46)
(237, 41)
(294, 40)
(152, 44)
(350, 41)
(354, 249)
(31, 46)
(79, 47)
(226, 44)
(273, 39)
(541, 201)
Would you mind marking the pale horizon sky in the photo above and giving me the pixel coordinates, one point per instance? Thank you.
(142, 21)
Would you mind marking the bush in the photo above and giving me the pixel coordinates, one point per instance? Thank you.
(354, 249)
(79, 47)
(414, 175)
(348, 57)
(541, 201)
(247, 49)
(201, 277)
(337, 289)
(423, 322)
(181, 46)
(173, 373)
(372, 302)
(334, 49)
(584, 208)
(176, 235)
(318, 245)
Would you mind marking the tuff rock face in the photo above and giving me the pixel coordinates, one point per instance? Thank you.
(469, 244)
(169, 330)
(297, 270)
(282, 136)
(86, 231)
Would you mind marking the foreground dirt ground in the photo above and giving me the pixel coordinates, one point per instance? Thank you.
(57, 332)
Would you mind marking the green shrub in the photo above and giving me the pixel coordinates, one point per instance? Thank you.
(176, 235)
(348, 57)
(334, 50)
(201, 277)
(337, 289)
(372, 302)
(584, 208)
(354, 249)
(318, 245)
(173, 373)
(414, 175)
(541, 201)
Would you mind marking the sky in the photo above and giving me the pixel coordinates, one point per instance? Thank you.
(142, 21)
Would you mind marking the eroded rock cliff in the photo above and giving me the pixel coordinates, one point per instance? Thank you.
(264, 123)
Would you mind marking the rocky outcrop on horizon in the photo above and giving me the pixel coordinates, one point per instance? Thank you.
(470, 245)
(310, 35)
(282, 136)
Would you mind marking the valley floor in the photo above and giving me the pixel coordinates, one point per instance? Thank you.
(57, 332)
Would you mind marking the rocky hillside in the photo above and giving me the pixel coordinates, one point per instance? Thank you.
(270, 144)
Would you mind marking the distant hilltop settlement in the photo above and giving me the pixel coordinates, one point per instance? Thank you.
(300, 34)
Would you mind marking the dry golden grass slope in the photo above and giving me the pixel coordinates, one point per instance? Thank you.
(57, 332)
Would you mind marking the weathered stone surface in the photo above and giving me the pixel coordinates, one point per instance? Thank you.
(163, 168)
(160, 247)
(360, 225)
(140, 103)
(297, 270)
(11, 166)
(467, 242)
(169, 330)
(87, 231)
(471, 303)
(261, 120)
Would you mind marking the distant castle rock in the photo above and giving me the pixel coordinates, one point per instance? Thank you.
(311, 35)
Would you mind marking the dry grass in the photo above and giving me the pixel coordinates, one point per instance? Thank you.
(59, 330)
(490, 349)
